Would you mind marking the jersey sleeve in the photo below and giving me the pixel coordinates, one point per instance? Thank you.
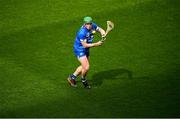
(82, 36)
(95, 26)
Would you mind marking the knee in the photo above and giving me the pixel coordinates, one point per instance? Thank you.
(86, 68)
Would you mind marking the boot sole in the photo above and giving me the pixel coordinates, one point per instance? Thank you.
(71, 84)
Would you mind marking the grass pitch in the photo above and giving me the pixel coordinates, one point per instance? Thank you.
(134, 74)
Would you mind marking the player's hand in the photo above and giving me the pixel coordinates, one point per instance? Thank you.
(99, 43)
(103, 37)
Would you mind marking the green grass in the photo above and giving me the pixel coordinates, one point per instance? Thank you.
(134, 74)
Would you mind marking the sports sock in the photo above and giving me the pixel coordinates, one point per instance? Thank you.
(73, 76)
(83, 79)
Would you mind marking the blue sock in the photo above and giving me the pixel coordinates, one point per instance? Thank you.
(73, 77)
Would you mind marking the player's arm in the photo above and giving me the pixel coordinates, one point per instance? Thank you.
(83, 40)
(101, 31)
(88, 45)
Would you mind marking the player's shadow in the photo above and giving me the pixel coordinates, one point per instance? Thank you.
(98, 78)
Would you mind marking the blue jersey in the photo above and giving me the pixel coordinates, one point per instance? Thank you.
(84, 35)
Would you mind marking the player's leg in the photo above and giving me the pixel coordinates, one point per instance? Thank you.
(85, 67)
(78, 71)
(81, 70)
